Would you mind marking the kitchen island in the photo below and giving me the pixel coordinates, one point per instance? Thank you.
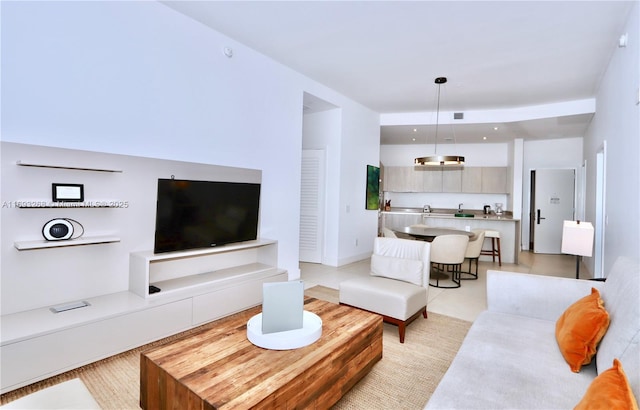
(399, 218)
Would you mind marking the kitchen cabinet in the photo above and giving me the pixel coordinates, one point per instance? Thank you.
(509, 232)
(472, 180)
(403, 179)
(431, 179)
(451, 180)
(400, 220)
(494, 180)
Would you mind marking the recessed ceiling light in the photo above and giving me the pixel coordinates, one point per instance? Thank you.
(495, 128)
(484, 138)
(415, 130)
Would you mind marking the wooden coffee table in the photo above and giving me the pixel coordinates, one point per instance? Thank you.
(216, 367)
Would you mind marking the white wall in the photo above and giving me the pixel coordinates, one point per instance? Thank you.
(360, 146)
(139, 78)
(516, 160)
(36, 278)
(475, 155)
(617, 121)
(350, 143)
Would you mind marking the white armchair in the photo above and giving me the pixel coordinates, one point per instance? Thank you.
(398, 284)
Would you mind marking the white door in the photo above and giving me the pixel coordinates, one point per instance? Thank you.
(554, 203)
(312, 206)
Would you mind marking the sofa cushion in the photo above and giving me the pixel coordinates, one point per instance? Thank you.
(610, 390)
(407, 270)
(510, 362)
(621, 293)
(389, 297)
(580, 328)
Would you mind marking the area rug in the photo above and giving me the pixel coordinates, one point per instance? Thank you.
(405, 378)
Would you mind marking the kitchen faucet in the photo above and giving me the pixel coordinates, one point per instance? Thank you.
(460, 208)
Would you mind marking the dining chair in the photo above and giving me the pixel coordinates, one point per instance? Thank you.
(474, 247)
(388, 233)
(447, 255)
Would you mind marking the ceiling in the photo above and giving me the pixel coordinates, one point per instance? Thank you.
(497, 55)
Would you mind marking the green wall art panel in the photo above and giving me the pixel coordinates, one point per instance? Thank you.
(373, 187)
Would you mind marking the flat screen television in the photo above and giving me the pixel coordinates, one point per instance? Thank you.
(201, 214)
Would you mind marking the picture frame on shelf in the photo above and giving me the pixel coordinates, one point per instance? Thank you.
(67, 192)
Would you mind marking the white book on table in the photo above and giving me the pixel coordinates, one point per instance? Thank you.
(282, 306)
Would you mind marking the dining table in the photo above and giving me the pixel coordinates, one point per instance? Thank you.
(428, 233)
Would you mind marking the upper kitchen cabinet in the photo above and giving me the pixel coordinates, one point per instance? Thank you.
(402, 179)
(451, 180)
(431, 179)
(494, 180)
(472, 179)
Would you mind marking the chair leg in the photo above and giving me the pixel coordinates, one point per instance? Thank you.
(455, 274)
(401, 331)
(499, 253)
(473, 276)
(493, 249)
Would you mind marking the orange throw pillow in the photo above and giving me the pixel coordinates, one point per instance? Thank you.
(610, 390)
(580, 329)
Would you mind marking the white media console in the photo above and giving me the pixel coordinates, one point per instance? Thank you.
(197, 287)
(100, 285)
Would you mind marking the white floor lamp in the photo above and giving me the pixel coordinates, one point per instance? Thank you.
(577, 239)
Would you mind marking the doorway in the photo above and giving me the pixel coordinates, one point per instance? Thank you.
(552, 203)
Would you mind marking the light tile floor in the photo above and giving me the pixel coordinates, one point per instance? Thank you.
(465, 302)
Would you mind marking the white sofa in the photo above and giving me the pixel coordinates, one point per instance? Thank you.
(510, 358)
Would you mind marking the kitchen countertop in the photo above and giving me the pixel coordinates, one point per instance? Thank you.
(449, 214)
(399, 218)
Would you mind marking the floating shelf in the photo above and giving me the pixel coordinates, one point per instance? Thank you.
(33, 164)
(45, 203)
(85, 240)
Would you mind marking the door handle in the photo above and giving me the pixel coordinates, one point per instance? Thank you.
(539, 217)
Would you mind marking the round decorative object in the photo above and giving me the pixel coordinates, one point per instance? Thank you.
(57, 230)
(310, 332)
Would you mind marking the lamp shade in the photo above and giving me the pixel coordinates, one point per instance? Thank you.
(577, 238)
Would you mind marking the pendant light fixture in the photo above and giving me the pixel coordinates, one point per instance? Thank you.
(435, 159)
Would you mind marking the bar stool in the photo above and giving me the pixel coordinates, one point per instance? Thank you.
(495, 250)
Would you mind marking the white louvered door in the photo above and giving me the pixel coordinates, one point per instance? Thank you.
(312, 206)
